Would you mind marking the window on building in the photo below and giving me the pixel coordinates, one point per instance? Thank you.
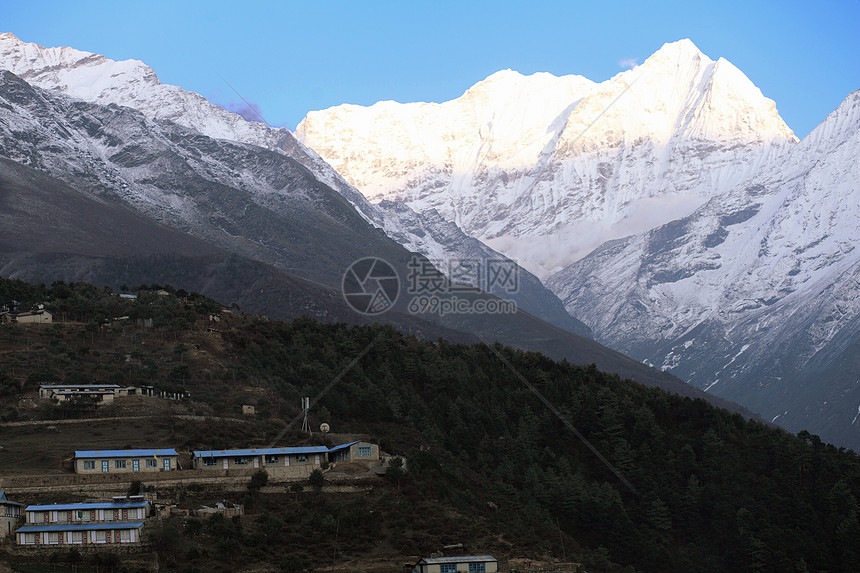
(101, 536)
(89, 464)
(240, 461)
(124, 535)
(271, 459)
(53, 538)
(448, 568)
(477, 567)
(151, 463)
(209, 461)
(364, 451)
(119, 464)
(301, 458)
(77, 537)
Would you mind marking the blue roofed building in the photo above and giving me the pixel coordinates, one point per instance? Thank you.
(125, 461)
(134, 508)
(458, 564)
(354, 451)
(298, 461)
(80, 534)
(108, 522)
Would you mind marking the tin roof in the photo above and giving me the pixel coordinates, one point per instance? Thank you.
(79, 392)
(458, 559)
(87, 506)
(260, 452)
(80, 527)
(81, 386)
(124, 453)
(342, 446)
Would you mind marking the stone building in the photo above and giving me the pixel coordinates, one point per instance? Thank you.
(458, 564)
(115, 522)
(125, 461)
(281, 462)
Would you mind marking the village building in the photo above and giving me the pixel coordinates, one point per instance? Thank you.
(459, 564)
(354, 451)
(35, 317)
(10, 515)
(134, 508)
(281, 462)
(125, 461)
(112, 522)
(98, 393)
(80, 534)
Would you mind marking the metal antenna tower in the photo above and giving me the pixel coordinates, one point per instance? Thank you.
(306, 405)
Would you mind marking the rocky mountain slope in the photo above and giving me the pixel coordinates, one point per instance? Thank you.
(245, 224)
(545, 168)
(756, 295)
(97, 79)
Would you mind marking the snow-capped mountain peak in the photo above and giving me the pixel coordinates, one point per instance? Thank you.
(545, 168)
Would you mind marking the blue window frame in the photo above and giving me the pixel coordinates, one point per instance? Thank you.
(477, 567)
(364, 452)
(448, 568)
(119, 464)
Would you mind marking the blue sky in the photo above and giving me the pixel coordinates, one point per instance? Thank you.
(293, 57)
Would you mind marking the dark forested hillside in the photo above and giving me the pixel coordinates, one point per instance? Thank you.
(709, 490)
(712, 490)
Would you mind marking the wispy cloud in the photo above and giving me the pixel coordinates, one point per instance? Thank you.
(247, 109)
(628, 63)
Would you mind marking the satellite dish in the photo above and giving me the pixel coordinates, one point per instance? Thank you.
(324, 428)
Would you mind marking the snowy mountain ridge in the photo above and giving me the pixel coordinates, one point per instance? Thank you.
(545, 168)
(97, 79)
(753, 296)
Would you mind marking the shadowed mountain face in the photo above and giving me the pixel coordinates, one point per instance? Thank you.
(104, 194)
(96, 79)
